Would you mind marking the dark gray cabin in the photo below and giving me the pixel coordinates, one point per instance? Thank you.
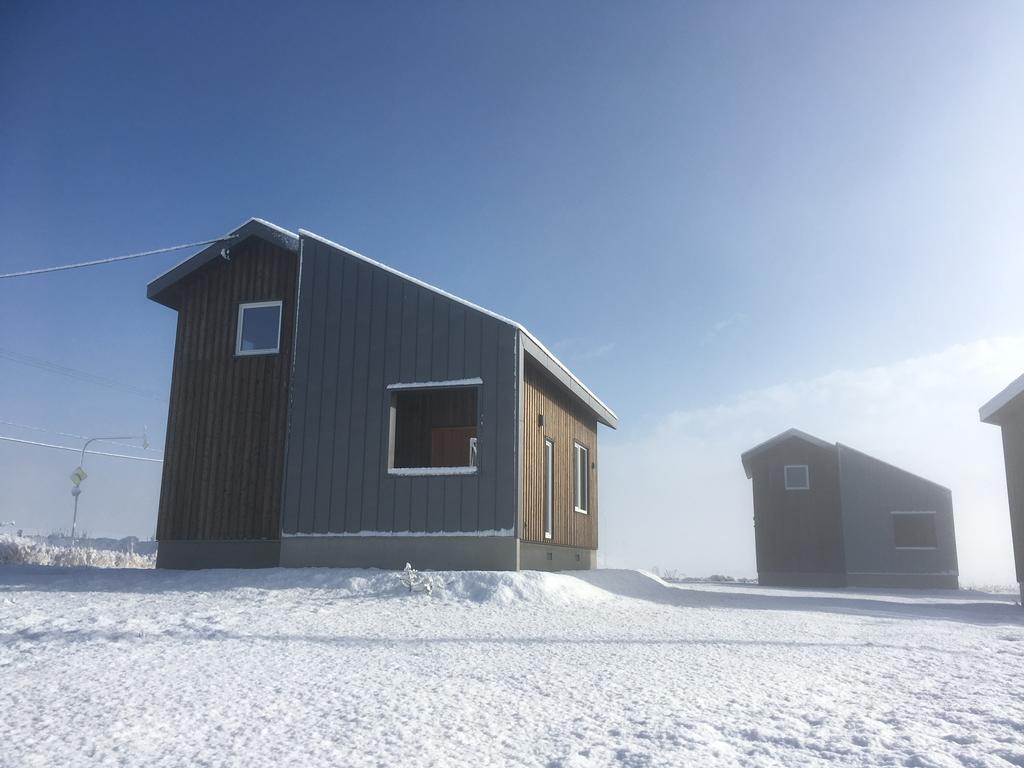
(826, 515)
(329, 410)
(1006, 410)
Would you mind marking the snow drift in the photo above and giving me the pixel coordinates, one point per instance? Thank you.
(16, 550)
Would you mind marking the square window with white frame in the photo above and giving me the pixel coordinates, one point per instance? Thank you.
(797, 477)
(581, 478)
(259, 328)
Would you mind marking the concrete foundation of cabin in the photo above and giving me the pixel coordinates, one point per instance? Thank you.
(450, 553)
(904, 580)
(875, 580)
(553, 557)
(218, 553)
(808, 579)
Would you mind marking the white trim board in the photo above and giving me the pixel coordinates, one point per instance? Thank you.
(476, 381)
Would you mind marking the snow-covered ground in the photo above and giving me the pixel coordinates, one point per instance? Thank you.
(345, 668)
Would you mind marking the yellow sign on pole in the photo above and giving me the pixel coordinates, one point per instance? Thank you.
(78, 476)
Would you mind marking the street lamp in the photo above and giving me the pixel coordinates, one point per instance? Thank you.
(79, 474)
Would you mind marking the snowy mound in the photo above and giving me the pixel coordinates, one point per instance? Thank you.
(15, 550)
(501, 588)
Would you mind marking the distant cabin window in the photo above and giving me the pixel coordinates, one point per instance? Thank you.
(581, 477)
(259, 328)
(797, 477)
(914, 530)
(433, 429)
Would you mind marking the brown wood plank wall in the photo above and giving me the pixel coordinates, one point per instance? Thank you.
(565, 421)
(227, 422)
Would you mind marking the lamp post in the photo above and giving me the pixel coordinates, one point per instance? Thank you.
(79, 474)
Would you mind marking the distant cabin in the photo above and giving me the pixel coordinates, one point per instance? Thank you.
(1007, 411)
(826, 515)
(327, 410)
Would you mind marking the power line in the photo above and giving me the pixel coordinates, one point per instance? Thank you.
(71, 434)
(79, 450)
(74, 373)
(98, 262)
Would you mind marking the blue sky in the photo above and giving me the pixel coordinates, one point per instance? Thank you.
(687, 201)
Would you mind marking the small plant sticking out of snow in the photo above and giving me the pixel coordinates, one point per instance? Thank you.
(415, 581)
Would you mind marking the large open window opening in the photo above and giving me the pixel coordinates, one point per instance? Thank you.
(433, 430)
(914, 530)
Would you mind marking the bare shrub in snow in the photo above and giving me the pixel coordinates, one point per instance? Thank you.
(415, 581)
(15, 550)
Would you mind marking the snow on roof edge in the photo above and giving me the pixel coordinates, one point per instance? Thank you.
(464, 302)
(997, 403)
(231, 233)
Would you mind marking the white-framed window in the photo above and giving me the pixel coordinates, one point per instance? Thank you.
(914, 530)
(581, 477)
(259, 328)
(797, 477)
(549, 486)
(433, 428)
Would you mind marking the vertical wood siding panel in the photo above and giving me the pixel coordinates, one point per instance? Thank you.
(565, 422)
(165, 519)
(226, 423)
(250, 385)
(200, 457)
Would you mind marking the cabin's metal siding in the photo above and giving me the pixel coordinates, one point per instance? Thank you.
(870, 492)
(361, 328)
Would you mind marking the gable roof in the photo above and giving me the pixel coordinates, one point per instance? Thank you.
(990, 412)
(817, 441)
(771, 442)
(161, 291)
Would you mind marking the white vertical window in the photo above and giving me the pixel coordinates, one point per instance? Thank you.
(581, 477)
(549, 486)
